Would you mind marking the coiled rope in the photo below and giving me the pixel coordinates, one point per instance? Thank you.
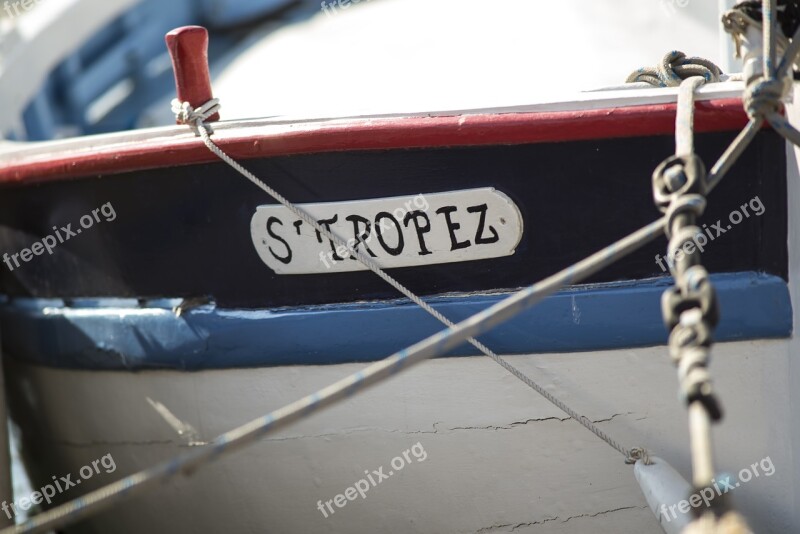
(674, 68)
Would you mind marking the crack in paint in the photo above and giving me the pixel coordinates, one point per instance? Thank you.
(512, 425)
(436, 430)
(612, 417)
(622, 509)
(99, 443)
(537, 420)
(556, 518)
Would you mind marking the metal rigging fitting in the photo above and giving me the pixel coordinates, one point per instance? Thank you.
(690, 308)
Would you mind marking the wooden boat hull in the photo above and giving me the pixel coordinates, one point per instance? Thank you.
(117, 321)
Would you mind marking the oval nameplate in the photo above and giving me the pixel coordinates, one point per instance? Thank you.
(406, 231)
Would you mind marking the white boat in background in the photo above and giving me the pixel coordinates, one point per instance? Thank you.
(176, 301)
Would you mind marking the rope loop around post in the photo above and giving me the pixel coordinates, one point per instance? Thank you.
(186, 114)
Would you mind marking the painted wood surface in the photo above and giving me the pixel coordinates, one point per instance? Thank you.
(121, 334)
(186, 231)
(499, 458)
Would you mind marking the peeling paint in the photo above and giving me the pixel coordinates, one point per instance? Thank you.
(576, 311)
(185, 431)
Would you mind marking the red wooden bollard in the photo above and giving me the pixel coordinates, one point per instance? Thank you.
(188, 48)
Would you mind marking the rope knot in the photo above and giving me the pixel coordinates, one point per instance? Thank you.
(735, 22)
(638, 453)
(763, 97)
(186, 114)
(674, 68)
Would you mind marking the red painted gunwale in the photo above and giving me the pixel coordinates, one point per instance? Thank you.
(282, 139)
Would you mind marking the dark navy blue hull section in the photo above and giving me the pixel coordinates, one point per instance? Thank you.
(118, 335)
(185, 231)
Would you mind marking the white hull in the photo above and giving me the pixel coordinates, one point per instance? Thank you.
(499, 457)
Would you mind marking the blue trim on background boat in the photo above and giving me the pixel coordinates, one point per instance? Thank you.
(118, 334)
(131, 50)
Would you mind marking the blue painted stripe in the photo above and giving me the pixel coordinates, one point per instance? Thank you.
(607, 316)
